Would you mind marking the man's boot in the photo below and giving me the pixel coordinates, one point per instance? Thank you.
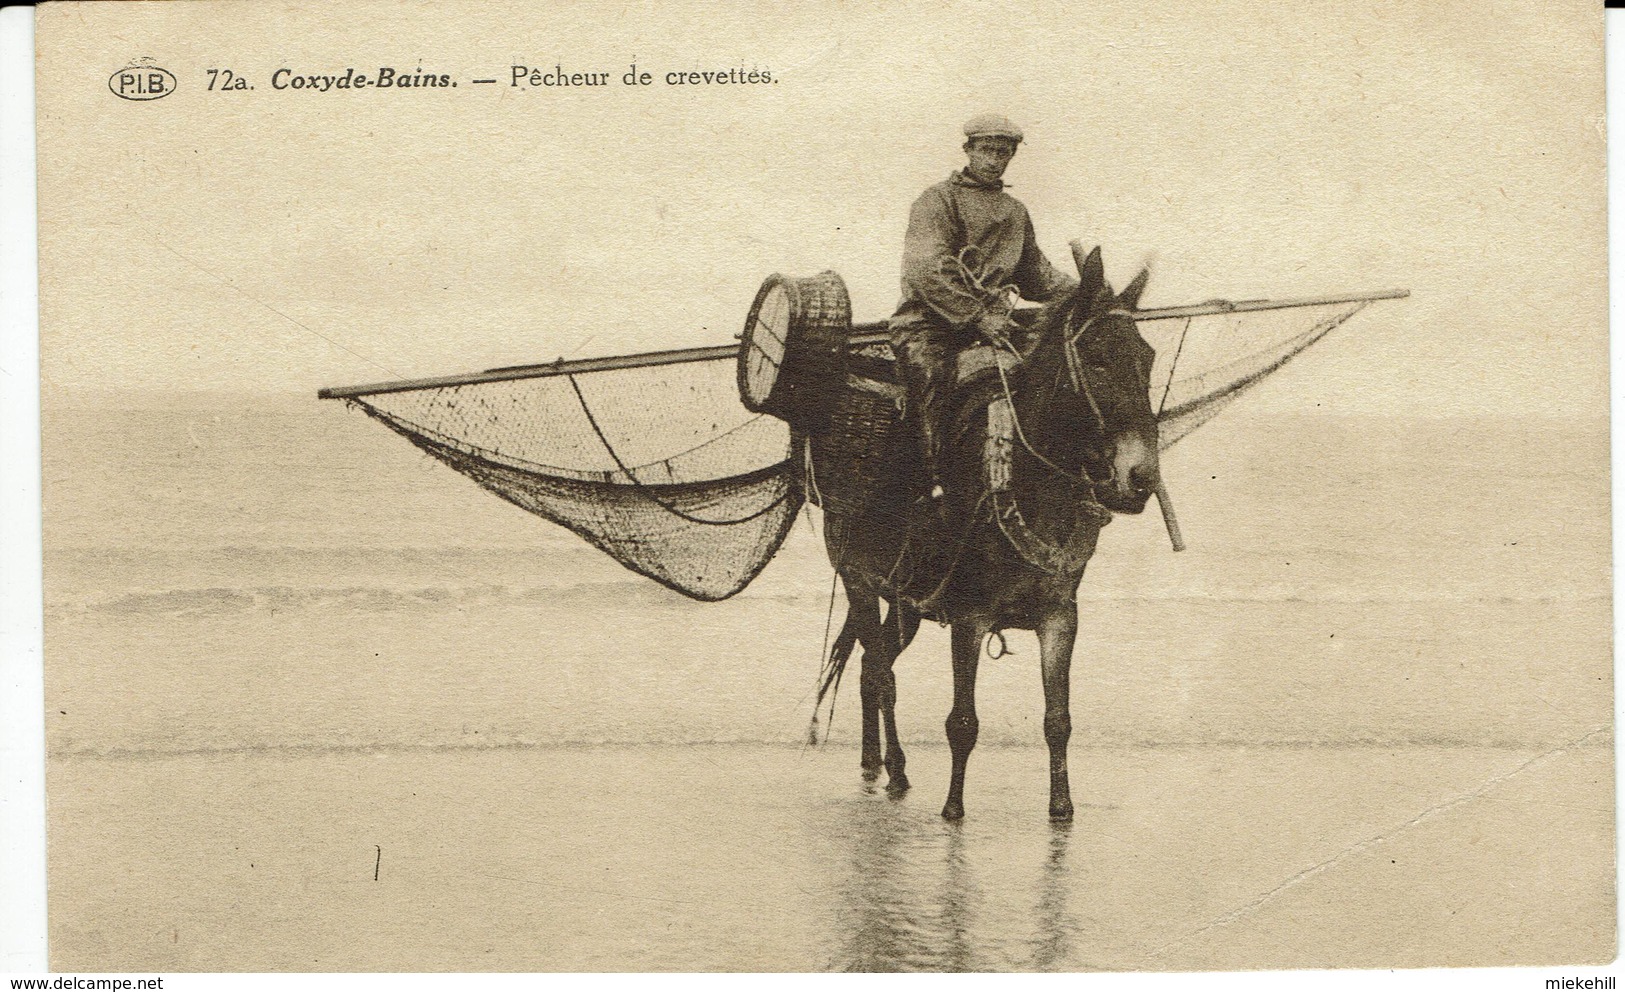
(922, 422)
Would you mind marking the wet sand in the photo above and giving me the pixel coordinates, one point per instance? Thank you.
(285, 650)
(778, 858)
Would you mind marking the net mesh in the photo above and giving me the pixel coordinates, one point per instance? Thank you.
(663, 469)
(1206, 363)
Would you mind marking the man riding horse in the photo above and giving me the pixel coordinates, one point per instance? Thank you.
(969, 243)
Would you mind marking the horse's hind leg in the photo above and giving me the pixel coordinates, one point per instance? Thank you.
(901, 624)
(863, 617)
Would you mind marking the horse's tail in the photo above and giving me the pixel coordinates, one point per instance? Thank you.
(829, 678)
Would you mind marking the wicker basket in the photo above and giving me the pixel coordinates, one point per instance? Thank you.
(792, 351)
(860, 453)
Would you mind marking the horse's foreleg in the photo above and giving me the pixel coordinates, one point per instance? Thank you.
(901, 624)
(962, 724)
(1056, 635)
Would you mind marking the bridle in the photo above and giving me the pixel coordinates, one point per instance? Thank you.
(1073, 552)
(1078, 380)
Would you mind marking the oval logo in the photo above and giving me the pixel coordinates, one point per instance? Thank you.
(141, 82)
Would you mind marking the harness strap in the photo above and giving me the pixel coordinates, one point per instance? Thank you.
(1067, 558)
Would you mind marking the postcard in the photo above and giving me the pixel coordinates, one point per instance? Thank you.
(803, 487)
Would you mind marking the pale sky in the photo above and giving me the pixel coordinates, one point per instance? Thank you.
(283, 241)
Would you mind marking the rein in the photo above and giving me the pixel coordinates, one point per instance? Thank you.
(1074, 552)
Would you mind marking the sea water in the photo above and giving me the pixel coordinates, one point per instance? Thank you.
(316, 702)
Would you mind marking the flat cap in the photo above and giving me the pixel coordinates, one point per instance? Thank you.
(992, 126)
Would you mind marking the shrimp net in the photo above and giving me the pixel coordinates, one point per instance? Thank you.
(1206, 363)
(663, 468)
(660, 468)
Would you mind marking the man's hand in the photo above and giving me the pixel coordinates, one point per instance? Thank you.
(993, 326)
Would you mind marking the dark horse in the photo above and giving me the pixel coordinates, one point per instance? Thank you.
(1085, 444)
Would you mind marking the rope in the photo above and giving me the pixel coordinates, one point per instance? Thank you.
(828, 680)
(823, 662)
(1056, 559)
(989, 299)
(1029, 544)
(1299, 342)
(1021, 435)
(645, 490)
(812, 480)
(1172, 366)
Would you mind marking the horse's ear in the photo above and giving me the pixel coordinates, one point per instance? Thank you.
(1091, 271)
(1130, 300)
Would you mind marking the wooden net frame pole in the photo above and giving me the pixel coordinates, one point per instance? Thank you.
(871, 333)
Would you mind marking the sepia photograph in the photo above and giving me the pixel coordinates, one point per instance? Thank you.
(934, 486)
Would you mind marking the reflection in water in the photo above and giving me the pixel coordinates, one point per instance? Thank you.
(880, 929)
(958, 894)
(1053, 926)
(918, 894)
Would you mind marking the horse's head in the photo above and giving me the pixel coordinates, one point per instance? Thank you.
(1099, 417)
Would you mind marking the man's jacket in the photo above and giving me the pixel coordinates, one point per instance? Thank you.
(946, 219)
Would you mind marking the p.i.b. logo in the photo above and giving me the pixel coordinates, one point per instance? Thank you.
(141, 80)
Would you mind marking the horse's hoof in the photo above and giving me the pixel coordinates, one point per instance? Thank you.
(953, 811)
(897, 785)
(1060, 814)
(870, 774)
